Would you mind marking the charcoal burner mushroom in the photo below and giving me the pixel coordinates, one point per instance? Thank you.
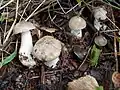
(47, 49)
(100, 40)
(26, 47)
(76, 24)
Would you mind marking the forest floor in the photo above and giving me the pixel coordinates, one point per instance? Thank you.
(75, 58)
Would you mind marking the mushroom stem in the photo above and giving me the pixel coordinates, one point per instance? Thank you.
(52, 63)
(97, 24)
(26, 49)
(77, 33)
(26, 43)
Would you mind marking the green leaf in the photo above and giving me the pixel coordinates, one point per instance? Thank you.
(79, 1)
(100, 88)
(118, 39)
(2, 18)
(94, 56)
(8, 59)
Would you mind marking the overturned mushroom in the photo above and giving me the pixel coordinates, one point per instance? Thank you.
(26, 47)
(47, 49)
(99, 14)
(84, 83)
(76, 25)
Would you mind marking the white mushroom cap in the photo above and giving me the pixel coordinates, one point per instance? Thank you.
(47, 48)
(77, 23)
(100, 40)
(23, 26)
(100, 13)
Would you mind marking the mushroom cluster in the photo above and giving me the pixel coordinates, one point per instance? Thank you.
(47, 49)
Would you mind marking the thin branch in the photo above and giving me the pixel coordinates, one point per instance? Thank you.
(6, 4)
(10, 31)
(115, 42)
(69, 9)
(24, 10)
(35, 10)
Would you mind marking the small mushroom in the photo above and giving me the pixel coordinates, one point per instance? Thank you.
(76, 25)
(26, 47)
(116, 79)
(84, 83)
(47, 49)
(100, 40)
(99, 14)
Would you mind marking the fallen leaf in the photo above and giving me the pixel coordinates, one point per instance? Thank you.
(8, 59)
(100, 88)
(94, 56)
(47, 29)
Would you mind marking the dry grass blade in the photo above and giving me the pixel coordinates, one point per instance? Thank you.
(6, 4)
(69, 9)
(35, 10)
(10, 31)
(24, 10)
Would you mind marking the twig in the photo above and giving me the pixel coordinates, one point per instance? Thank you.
(85, 58)
(111, 53)
(52, 20)
(115, 50)
(115, 42)
(113, 23)
(114, 30)
(35, 10)
(69, 9)
(44, 8)
(8, 35)
(42, 74)
(24, 10)
(0, 39)
(6, 4)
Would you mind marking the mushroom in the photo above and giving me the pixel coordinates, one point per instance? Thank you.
(47, 49)
(76, 24)
(100, 40)
(84, 83)
(26, 47)
(116, 79)
(99, 14)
